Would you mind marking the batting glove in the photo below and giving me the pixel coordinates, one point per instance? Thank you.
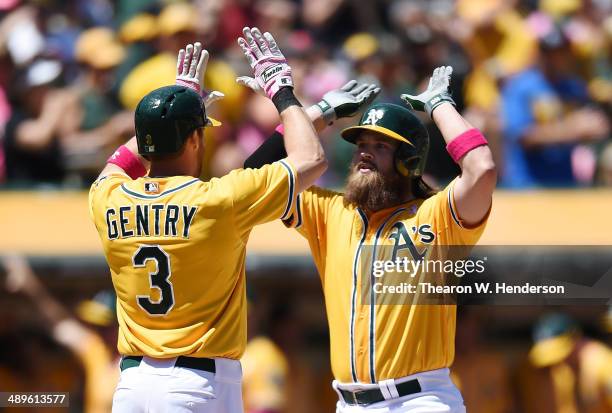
(270, 69)
(435, 95)
(347, 101)
(190, 68)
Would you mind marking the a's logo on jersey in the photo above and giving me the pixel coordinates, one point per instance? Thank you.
(374, 115)
(151, 187)
(403, 241)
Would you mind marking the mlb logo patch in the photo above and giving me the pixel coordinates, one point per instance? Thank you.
(151, 187)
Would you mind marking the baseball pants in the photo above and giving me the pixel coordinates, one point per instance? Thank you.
(438, 395)
(156, 385)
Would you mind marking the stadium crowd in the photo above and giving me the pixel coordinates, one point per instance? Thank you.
(534, 75)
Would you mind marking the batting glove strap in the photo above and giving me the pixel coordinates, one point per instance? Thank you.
(329, 114)
(273, 74)
(195, 86)
(436, 101)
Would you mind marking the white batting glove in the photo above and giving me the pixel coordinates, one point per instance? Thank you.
(211, 98)
(436, 93)
(347, 101)
(190, 68)
(270, 69)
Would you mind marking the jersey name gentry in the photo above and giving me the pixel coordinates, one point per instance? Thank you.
(176, 250)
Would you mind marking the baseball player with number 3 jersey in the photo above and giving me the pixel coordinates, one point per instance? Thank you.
(393, 356)
(176, 245)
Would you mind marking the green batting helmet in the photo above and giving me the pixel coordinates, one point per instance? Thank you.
(166, 117)
(399, 123)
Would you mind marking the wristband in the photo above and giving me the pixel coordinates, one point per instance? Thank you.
(126, 160)
(464, 143)
(285, 98)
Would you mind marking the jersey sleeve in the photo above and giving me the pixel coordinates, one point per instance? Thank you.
(262, 195)
(441, 212)
(100, 191)
(313, 209)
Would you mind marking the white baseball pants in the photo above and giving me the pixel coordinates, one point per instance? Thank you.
(156, 385)
(438, 395)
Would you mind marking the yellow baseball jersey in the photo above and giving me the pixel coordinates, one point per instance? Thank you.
(176, 249)
(371, 341)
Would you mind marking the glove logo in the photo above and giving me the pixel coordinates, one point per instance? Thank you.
(271, 72)
(374, 115)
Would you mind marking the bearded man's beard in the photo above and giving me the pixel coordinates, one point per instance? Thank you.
(374, 191)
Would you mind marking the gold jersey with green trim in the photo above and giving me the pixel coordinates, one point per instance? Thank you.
(372, 339)
(176, 249)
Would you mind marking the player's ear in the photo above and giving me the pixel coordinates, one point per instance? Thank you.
(196, 139)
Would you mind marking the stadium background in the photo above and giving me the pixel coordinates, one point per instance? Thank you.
(72, 72)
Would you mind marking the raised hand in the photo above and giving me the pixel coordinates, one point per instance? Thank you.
(347, 101)
(271, 71)
(190, 68)
(436, 93)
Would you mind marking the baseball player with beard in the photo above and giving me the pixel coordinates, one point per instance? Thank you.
(392, 358)
(176, 245)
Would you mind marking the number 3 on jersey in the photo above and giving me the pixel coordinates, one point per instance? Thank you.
(158, 279)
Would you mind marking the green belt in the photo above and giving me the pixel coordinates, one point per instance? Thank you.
(196, 363)
(366, 397)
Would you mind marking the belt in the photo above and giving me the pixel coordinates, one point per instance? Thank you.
(366, 397)
(196, 363)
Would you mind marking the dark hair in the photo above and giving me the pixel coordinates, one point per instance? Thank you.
(421, 189)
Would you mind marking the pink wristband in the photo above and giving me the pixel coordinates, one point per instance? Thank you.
(127, 161)
(280, 129)
(464, 143)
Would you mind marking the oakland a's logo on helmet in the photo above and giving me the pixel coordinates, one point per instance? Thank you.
(374, 115)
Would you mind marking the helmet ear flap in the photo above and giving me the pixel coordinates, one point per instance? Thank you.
(408, 167)
(406, 162)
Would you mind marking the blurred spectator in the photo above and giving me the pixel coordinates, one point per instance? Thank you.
(98, 123)
(176, 27)
(264, 367)
(31, 142)
(480, 370)
(577, 370)
(546, 114)
(540, 109)
(94, 344)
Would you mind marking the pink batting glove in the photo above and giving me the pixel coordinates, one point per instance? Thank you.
(270, 69)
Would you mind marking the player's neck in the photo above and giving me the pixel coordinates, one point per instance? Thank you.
(407, 198)
(173, 167)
